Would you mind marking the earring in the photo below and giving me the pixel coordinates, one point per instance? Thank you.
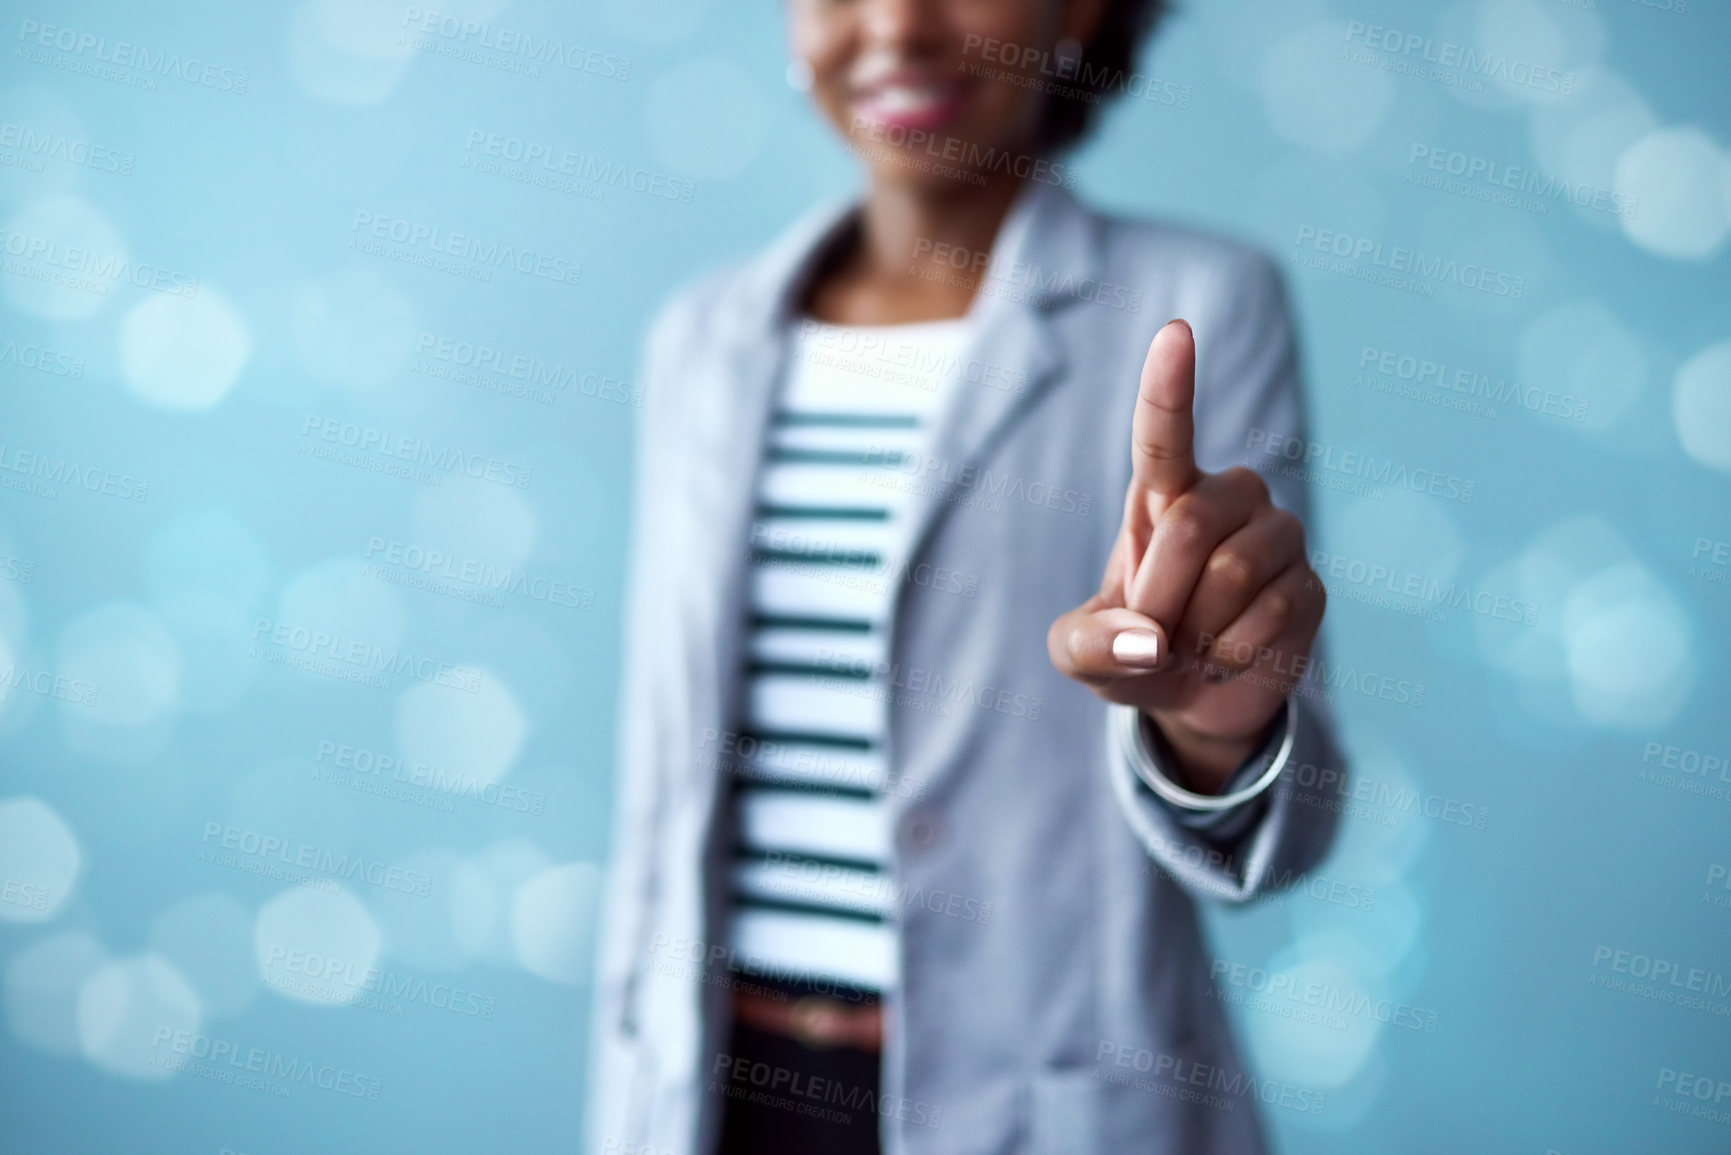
(1069, 54)
(799, 76)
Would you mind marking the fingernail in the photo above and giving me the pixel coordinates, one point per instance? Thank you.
(1137, 648)
(1182, 321)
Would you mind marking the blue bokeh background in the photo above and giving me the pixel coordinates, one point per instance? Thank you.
(180, 515)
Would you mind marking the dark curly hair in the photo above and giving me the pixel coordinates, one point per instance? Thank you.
(1106, 69)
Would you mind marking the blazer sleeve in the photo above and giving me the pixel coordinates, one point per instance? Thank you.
(1247, 391)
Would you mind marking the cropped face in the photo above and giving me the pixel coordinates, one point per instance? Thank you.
(937, 92)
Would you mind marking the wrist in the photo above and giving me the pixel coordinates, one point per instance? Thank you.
(1204, 761)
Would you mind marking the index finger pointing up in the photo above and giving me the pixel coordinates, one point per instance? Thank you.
(1163, 431)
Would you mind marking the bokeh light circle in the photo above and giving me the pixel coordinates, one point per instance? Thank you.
(1701, 406)
(130, 1011)
(316, 946)
(183, 353)
(553, 922)
(42, 984)
(40, 861)
(1315, 99)
(1678, 177)
(129, 656)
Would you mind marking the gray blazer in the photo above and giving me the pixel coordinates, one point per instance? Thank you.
(1055, 988)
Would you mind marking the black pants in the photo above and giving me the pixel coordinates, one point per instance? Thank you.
(781, 1097)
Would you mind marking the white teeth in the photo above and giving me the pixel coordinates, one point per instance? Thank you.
(904, 98)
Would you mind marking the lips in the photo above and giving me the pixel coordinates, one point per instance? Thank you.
(909, 103)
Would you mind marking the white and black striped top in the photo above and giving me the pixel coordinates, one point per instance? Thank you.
(812, 899)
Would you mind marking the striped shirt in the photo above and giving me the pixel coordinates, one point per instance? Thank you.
(813, 899)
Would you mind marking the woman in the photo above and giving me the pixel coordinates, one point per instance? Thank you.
(929, 738)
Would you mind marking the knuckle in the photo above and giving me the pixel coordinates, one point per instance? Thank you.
(1076, 642)
(1280, 608)
(1249, 481)
(1186, 526)
(1059, 640)
(1235, 570)
(1230, 654)
(1156, 449)
(1160, 407)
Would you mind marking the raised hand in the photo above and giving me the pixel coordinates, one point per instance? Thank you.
(1208, 607)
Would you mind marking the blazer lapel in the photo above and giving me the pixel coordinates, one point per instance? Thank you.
(728, 404)
(1043, 253)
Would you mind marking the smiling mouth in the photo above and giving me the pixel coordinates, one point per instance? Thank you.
(908, 104)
